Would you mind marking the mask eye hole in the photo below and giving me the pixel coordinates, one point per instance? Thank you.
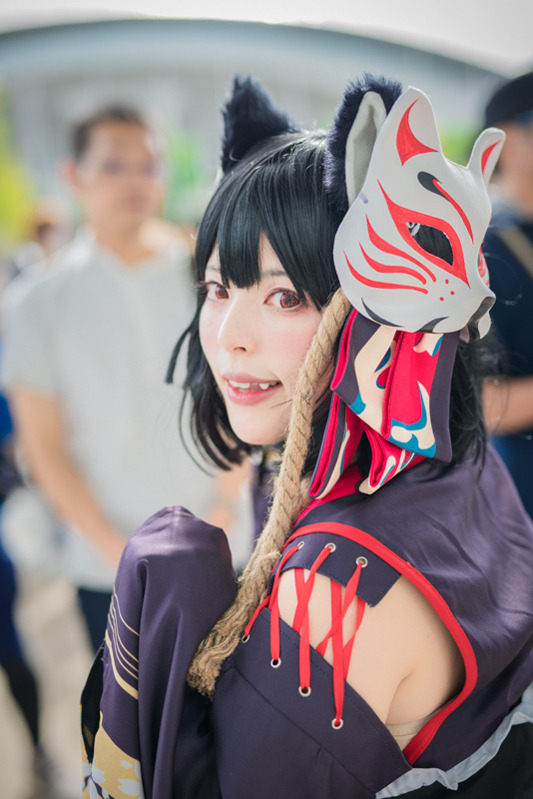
(432, 240)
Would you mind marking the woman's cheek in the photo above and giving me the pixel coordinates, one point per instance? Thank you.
(208, 330)
(296, 344)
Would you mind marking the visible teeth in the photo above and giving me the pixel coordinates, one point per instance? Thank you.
(252, 386)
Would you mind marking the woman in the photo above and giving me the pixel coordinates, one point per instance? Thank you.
(379, 642)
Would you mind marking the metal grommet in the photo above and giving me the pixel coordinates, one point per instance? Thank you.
(300, 544)
(362, 561)
(337, 725)
(305, 691)
(275, 663)
(331, 546)
(245, 639)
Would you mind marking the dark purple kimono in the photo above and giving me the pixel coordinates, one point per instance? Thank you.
(460, 536)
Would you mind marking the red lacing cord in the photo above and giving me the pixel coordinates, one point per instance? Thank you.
(304, 668)
(342, 653)
(338, 618)
(257, 611)
(338, 654)
(300, 622)
(271, 601)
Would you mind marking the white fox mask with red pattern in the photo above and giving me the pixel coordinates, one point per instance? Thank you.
(408, 251)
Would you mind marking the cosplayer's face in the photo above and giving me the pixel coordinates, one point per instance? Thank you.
(255, 339)
(118, 178)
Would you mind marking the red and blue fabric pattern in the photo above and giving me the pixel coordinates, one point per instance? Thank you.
(393, 387)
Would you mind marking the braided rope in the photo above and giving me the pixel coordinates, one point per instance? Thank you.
(290, 497)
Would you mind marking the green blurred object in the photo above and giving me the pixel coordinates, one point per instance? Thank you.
(188, 184)
(16, 192)
(457, 143)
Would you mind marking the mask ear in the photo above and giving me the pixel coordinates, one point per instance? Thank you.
(485, 153)
(249, 117)
(361, 114)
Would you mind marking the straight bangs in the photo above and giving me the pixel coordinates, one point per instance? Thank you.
(276, 191)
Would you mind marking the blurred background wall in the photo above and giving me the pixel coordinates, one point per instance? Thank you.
(180, 69)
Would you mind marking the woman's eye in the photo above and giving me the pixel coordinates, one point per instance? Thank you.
(286, 300)
(413, 228)
(216, 291)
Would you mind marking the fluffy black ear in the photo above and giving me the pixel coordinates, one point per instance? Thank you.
(249, 117)
(339, 163)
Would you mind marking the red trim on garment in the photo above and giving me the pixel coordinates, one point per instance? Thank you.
(422, 739)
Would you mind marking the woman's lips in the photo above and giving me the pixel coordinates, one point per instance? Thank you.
(250, 391)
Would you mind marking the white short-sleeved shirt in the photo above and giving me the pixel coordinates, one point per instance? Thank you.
(97, 336)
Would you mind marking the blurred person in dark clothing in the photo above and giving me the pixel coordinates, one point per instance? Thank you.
(13, 662)
(508, 249)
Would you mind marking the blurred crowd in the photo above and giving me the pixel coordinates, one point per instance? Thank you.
(89, 442)
(91, 445)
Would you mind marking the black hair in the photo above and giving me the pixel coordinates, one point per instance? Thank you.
(467, 428)
(277, 189)
(80, 132)
(510, 100)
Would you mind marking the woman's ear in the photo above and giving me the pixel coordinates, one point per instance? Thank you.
(250, 116)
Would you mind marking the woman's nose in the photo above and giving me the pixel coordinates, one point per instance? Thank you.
(238, 330)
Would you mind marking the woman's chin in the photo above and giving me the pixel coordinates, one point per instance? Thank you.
(258, 438)
(259, 441)
(258, 427)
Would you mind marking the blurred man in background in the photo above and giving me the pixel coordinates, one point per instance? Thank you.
(85, 353)
(509, 252)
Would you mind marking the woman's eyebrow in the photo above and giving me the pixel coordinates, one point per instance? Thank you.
(274, 273)
(264, 273)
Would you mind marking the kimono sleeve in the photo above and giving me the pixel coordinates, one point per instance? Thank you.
(138, 717)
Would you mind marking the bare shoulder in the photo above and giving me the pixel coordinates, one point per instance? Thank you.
(404, 663)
